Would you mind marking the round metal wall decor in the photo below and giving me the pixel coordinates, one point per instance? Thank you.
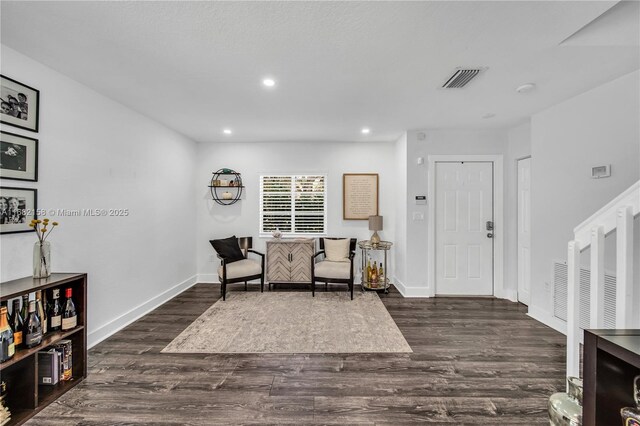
(226, 186)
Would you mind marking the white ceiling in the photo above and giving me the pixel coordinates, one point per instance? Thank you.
(197, 66)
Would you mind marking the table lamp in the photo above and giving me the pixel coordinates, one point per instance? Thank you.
(375, 225)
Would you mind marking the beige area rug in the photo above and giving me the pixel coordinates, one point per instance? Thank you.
(292, 322)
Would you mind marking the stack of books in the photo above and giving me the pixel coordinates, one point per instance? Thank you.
(55, 364)
(5, 414)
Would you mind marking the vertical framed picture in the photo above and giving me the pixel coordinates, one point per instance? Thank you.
(359, 196)
(18, 157)
(20, 104)
(17, 208)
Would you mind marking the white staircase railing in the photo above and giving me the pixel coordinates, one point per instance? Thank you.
(616, 216)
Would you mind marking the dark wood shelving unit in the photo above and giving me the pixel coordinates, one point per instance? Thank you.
(48, 340)
(611, 361)
(25, 398)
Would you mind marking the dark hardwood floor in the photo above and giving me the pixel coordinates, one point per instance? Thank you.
(475, 361)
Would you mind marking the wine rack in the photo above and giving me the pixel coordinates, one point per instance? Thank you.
(611, 361)
(25, 398)
(366, 247)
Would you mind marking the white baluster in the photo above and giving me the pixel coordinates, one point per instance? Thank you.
(597, 277)
(573, 310)
(624, 268)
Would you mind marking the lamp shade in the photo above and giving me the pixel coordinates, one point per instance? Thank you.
(375, 223)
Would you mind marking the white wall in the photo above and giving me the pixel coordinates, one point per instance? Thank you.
(436, 142)
(519, 146)
(601, 126)
(96, 153)
(401, 200)
(254, 159)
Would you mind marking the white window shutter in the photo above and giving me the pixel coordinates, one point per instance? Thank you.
(295, 204)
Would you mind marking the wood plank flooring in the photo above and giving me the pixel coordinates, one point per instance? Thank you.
(475, 361)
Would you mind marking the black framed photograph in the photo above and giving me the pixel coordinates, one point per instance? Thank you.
(18, 157)
(18, 207)
(20, 104)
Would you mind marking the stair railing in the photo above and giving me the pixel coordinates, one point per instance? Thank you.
(617, 216)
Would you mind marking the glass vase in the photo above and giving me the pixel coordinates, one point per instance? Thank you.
(41, 259)
(565, 409)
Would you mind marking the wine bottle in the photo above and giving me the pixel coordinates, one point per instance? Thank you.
(55, 311)
(381, 275)
(69, 315)
(368, 271)
(32, 332)
(7, 347)
(374, 275)
(6, 305)
(25, 307)
(41, 312)
(17, 323)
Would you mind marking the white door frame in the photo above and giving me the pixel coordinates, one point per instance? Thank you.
(498, 218)
(518, 230)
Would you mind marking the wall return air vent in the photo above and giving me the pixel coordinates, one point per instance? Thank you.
(461, 77)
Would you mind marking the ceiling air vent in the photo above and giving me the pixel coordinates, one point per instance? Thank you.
(461, 77)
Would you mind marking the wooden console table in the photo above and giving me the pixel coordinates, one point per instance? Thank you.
(25, 398)
(611, 361)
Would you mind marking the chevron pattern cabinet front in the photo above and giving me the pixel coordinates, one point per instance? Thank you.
(289, 260)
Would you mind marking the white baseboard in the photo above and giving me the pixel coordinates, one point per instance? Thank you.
(510, 294)
(115, 325)
(208, 278)
(410, 291)
(548, 319)
(423, 291)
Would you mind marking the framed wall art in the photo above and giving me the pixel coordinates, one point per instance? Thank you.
(359, 196)
(18, 157)
(20, 104)
(17, 208)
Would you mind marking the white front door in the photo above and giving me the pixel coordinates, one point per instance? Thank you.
(524, 230)
(464, 223)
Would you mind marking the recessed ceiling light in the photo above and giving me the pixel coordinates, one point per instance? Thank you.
(268, 82)
(489, 115)
(365, 130)
(526, 88)
(227, 131)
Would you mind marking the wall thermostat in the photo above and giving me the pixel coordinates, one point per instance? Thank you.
(421, 199)
(598, 172)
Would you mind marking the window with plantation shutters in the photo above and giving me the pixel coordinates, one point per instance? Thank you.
(294, 204)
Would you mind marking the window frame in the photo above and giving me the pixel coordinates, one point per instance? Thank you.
(293, 177)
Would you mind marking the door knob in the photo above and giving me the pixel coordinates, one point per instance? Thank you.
(489, 235)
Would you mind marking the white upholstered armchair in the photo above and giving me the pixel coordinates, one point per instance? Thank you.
(336, 264)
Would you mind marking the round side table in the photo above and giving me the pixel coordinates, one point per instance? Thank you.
(384, 282)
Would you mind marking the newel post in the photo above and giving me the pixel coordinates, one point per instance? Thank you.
(624, 268)
(573, 310)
